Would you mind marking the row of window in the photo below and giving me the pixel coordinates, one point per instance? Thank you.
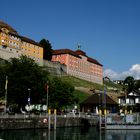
(82, 66)
(14, 38)
(18, 39)
(76, 68)
(30, 51)
(18, 53)
(129, 101)
(11, 37)
(30, 45)
(17, 45)
(14, 44)
(4, 35)
(10, 43)
(4, 47)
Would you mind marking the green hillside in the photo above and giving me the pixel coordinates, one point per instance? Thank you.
(76, 82)
(82, 95)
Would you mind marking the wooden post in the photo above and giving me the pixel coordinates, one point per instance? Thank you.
(54, 119)
(49, 119)
(49, 135)
(100, 119)
(54, 135)
(105, 113)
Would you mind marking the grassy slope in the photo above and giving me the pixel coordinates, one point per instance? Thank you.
(81, 95)
(76, 82)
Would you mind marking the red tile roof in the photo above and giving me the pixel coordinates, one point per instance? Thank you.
(26, 39)
(14, 33)
(76, 53)
(30, 41)
(65, 51)
(79, 52)
(97, 98)
(5, 25)
(93, 61)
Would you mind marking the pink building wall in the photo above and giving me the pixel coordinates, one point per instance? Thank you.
(79, 66)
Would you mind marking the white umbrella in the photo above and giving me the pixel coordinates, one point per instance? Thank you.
(97, 112)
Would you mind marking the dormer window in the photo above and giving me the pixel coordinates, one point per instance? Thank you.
(5, 30)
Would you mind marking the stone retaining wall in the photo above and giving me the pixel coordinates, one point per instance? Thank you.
(27, 123)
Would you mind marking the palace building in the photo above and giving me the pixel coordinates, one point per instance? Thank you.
(14, 45)
(79, 65)
(75, 63)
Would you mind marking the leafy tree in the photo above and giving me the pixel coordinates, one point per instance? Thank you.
(24, 73)
(60, 94)
(137, 85)
(2, 81)
(130, 82)
(47, 53)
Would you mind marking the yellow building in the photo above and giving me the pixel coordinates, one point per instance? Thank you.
(14, 45)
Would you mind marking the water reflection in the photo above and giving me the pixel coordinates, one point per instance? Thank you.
(123, 134)
(70, 134)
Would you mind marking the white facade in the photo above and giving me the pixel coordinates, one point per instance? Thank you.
(7, 52)
(131, 99)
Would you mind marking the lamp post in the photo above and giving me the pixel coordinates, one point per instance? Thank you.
(47, 98)
(99, 99)
(105, 111)
(105, 108)
(100, 111)
(29, 99)
(6, 93)
(47, 90)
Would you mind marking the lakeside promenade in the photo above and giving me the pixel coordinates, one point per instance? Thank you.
(20, 121)
(52, 121)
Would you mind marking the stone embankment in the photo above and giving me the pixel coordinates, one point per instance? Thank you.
(33, 123)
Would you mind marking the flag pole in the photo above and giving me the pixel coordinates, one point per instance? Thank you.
(105, 111)
(6, 93)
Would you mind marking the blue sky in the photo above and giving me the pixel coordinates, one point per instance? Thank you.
(108, 30)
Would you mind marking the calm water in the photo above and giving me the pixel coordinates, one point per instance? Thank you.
(70, 134)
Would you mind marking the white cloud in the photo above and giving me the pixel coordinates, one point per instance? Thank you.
(133, 71)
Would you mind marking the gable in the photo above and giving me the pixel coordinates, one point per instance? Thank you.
(99, 98)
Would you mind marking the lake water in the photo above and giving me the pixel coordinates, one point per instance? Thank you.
(72, 133)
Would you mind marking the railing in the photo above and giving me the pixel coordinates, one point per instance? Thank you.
(15, 115)
(123, 119)
(40, 115)
(110, 118)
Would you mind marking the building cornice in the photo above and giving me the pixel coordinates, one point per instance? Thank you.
(76, 53)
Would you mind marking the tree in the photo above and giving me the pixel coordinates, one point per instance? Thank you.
(60, 94)
(2, 80)
(47, 53)
(137, 85)
(24, 73)
(130, 82)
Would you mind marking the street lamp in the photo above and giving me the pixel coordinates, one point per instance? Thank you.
(100, 102)
(29, 99)
(100, 111)
(6, 93)
(47, 90)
